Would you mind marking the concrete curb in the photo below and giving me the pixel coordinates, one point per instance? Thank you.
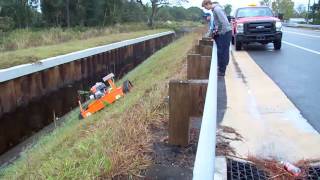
(220, 168)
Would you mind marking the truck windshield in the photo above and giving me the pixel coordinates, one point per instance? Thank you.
(253, 12)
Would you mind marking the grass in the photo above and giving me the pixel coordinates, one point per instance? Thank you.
(26, 38)
(35, 37)
(116, 141)
(34, 54)
(29, 46)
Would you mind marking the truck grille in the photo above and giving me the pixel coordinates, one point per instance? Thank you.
(259, 28)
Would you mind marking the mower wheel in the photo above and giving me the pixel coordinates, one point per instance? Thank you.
(127, 85)
(80, 116)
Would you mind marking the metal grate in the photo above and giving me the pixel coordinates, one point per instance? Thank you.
(238, 170)
(313, 173)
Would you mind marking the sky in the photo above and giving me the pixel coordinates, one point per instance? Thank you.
(238, 3)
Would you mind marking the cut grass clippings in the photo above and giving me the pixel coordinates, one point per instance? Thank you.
(34, 54)
(115, 142)
(277, 171)
(274, 168)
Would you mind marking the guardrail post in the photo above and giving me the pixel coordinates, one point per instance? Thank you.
(207, 38)
(186, 99)
(198, 67)
(206, 42)
(203, 50)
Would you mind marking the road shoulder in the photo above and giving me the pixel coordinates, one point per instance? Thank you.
(271, 126)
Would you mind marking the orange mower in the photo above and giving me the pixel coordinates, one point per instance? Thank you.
(102, 96)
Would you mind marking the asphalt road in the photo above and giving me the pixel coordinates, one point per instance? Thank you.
(295, 68)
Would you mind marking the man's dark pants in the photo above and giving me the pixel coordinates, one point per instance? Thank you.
(223, 45)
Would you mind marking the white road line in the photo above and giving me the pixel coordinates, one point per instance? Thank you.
(300, 47)
(302, 34)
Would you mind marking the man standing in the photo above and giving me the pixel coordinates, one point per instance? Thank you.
(222, 34)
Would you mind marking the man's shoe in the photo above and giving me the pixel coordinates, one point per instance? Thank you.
(221, 74)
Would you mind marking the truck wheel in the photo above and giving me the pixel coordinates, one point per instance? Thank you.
(238, 45)
(232, 40)
(277, 44)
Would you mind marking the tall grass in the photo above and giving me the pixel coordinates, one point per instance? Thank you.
(29, 46)
(26, 38)
(115, 142)
(34, 54)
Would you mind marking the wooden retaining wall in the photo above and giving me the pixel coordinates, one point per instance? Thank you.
(21, 90)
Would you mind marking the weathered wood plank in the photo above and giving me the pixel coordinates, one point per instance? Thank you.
(203, 50)
(206, 42)
(186, 99)
(198, 67)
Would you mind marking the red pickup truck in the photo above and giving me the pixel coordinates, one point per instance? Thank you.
(256, 24)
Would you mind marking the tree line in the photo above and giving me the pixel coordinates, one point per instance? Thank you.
(70, 13)
(286, 7)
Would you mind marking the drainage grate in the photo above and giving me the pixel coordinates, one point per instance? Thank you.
(313, 173)
(238, 170)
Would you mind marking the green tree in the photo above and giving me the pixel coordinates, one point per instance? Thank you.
(228, 9)
(195, 14)
(70, 13)
(155, 5)
(53, 12)
(301, 11)
(265, 3)
(165, 14)
(133, 12)
(6, 24)
(285, 7)
(82, 12)
(21, 12)
(179, 14)
(315, 13)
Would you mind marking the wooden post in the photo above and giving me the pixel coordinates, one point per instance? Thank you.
(206, 42)
(186, 99)
(203, 50)
(196, 49)
(207, 38)
(198, 67)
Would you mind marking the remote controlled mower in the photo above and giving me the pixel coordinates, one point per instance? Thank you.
(101, 96)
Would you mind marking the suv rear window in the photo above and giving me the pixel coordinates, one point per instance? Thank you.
(253, 12)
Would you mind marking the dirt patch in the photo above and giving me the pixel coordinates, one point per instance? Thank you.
(171, 161)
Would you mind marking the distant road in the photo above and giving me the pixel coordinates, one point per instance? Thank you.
(295, 68)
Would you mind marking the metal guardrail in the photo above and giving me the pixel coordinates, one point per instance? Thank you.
(205, 158)
(25, 69)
